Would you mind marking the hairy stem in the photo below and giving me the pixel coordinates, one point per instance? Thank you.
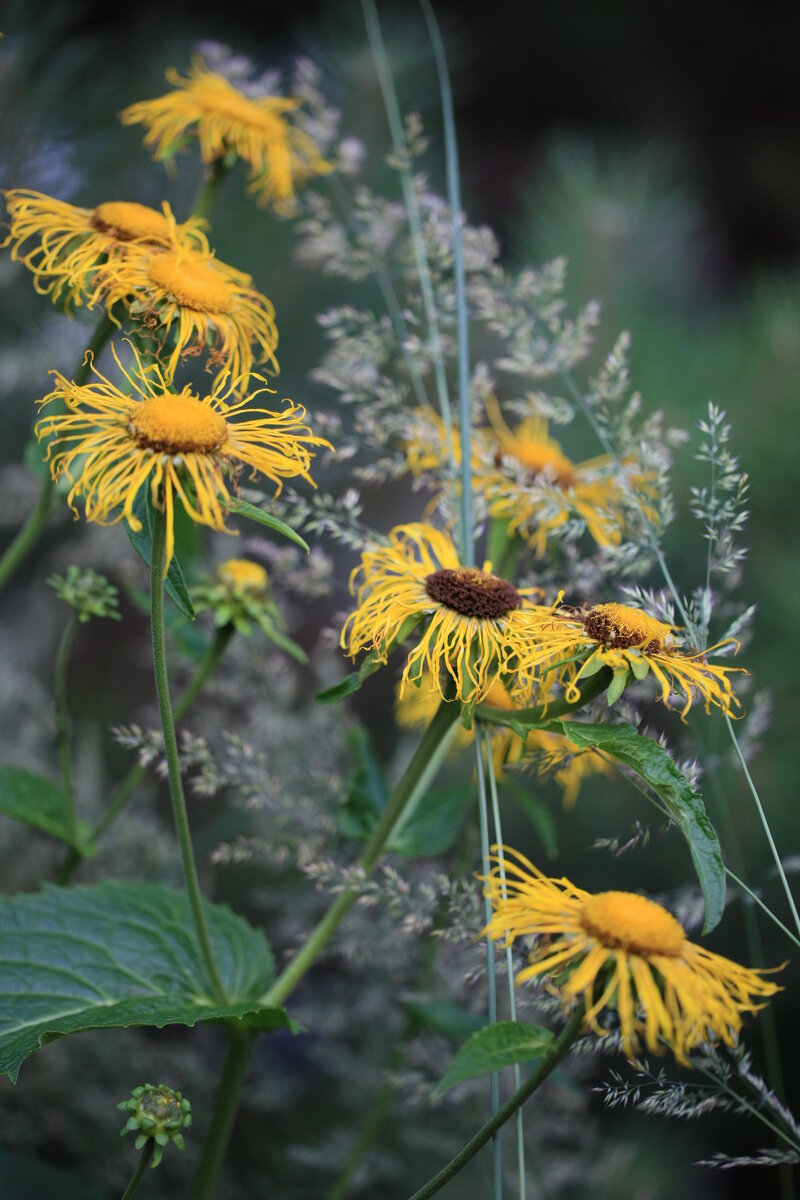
(548, 1064)
(148, 1150)
(31, 531)
(414, 779)
(157, 571)
(62, 719)
(241, 1042)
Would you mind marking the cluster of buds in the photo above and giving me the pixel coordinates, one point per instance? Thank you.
(158, 1113)
(90, 594)
(238, 595)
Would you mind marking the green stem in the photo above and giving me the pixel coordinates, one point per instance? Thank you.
(491, 975)
(157, 571)
(592, 687)
(405, 793)
(62, 719)
(548, 1064)
(148, 1150)
(29, 534)
(208, 191)
(241, 1043)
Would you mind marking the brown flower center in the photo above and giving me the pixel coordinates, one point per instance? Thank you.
(619, 627)
(625, 921)
(472, 593)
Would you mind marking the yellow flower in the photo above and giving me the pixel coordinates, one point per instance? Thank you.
(526, 479)
(620, 950)
(222, 118)
(63, 245)
(477, 624)
(180, 444)
(243, 575)
(628, 639)
(202, 303)
(554, 754)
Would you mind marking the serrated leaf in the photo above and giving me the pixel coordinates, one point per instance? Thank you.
(242, 508)
(36, 801)
(684, 805)
(142, 542)
(494, 1047)
(115, 955)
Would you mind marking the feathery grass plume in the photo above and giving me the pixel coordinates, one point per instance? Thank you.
(178, 443)
(619, 950)
(207, 106)
(630, 642)
(63, 246)
(477, 624)
(198, 303)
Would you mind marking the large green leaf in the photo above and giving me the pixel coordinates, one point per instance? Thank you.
(35, 800)
(685, 806)
(112, 955)
(494, 1047)
(242, 508)
(142, 542)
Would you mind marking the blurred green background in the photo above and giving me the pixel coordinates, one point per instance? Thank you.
(656, 148)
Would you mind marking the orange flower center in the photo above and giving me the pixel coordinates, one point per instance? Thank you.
(243, 575)
(472, 593)
(177, 424)
(127, 222)
(619, 627)
(625, 921)
(539, 458)
(190, 284)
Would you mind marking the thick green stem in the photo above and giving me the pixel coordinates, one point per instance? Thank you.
(157, 571)
(234, 1072)
(548, 1064)
(62, 719)
(208, 191)
(29, 534)
(148, 1150)
(405, 793)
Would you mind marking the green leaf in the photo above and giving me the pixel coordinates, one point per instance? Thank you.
(241, 508)
(537, 813)
(617, 686)
(142, 542)
(36, 801)
(114, 955)
(494, 1047)
(371, 663)
(366, 793)
(451, 1020)
(435, 823)
(684, 805)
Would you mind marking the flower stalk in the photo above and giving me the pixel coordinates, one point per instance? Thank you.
(138, 1175)
(157, 572)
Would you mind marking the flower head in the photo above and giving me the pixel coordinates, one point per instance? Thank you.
(628, 640)
(89, 593)
(222, 118)
(475, 623)
(619, 950)
(157, 1113)
(178, 443)
(239, 597)
(64, 246)
(200, 303)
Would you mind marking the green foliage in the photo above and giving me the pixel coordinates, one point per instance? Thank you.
(370, 663)
(89, 593)
(36, 801)
(684, 805)
(242, 508)
(114, 955)
(142, 542)
(494, 1047)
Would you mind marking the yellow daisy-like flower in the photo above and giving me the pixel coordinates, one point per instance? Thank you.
(526, 479)
(199, 301)
(63, 245)
(555, 754)
(222, 118)
(619, 950)
(243, 575)
(477, 624)
(181, 444)
(629, 640)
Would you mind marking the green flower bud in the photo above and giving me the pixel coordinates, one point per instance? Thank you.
(158, 1113)
(90, 594)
